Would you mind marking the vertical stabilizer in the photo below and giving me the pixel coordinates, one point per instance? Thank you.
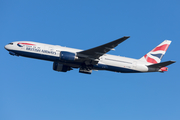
(155, 55)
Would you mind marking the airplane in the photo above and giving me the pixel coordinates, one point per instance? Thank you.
(65, 59)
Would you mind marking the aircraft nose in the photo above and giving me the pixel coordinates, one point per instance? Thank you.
(6, 47)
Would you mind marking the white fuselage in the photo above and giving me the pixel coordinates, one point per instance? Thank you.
(52, 53)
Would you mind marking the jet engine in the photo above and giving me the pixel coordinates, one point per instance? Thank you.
(60, 67)
(67, 56)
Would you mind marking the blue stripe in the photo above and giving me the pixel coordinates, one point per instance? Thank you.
(36, 55)
(157, 55)
(19, 45)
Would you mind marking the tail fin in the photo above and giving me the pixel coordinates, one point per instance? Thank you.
(155, 55)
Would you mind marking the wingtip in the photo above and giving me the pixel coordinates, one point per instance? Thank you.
(173, 61)
(127, 36)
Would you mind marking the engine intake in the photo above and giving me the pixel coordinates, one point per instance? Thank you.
(67, 56)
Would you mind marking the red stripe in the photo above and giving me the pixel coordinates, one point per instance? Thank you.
(150, 60)
(145, 56)
(26, 43)
(162, 47)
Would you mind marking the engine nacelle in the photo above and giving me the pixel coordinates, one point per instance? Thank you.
(61, 67)
(67, 56)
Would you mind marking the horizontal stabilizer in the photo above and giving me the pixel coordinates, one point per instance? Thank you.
(162, 64)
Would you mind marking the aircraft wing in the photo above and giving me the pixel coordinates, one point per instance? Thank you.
(95, 53)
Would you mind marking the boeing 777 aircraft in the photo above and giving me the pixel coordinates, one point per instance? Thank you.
(65, 59)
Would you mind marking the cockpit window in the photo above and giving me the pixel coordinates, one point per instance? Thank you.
(10, 44)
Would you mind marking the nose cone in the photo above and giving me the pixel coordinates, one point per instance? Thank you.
(6, 47)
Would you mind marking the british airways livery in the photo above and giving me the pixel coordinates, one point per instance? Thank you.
(65, 59)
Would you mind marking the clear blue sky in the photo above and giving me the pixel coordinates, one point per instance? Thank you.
(31, 90)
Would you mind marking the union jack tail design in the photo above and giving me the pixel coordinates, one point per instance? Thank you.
(155, 55)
